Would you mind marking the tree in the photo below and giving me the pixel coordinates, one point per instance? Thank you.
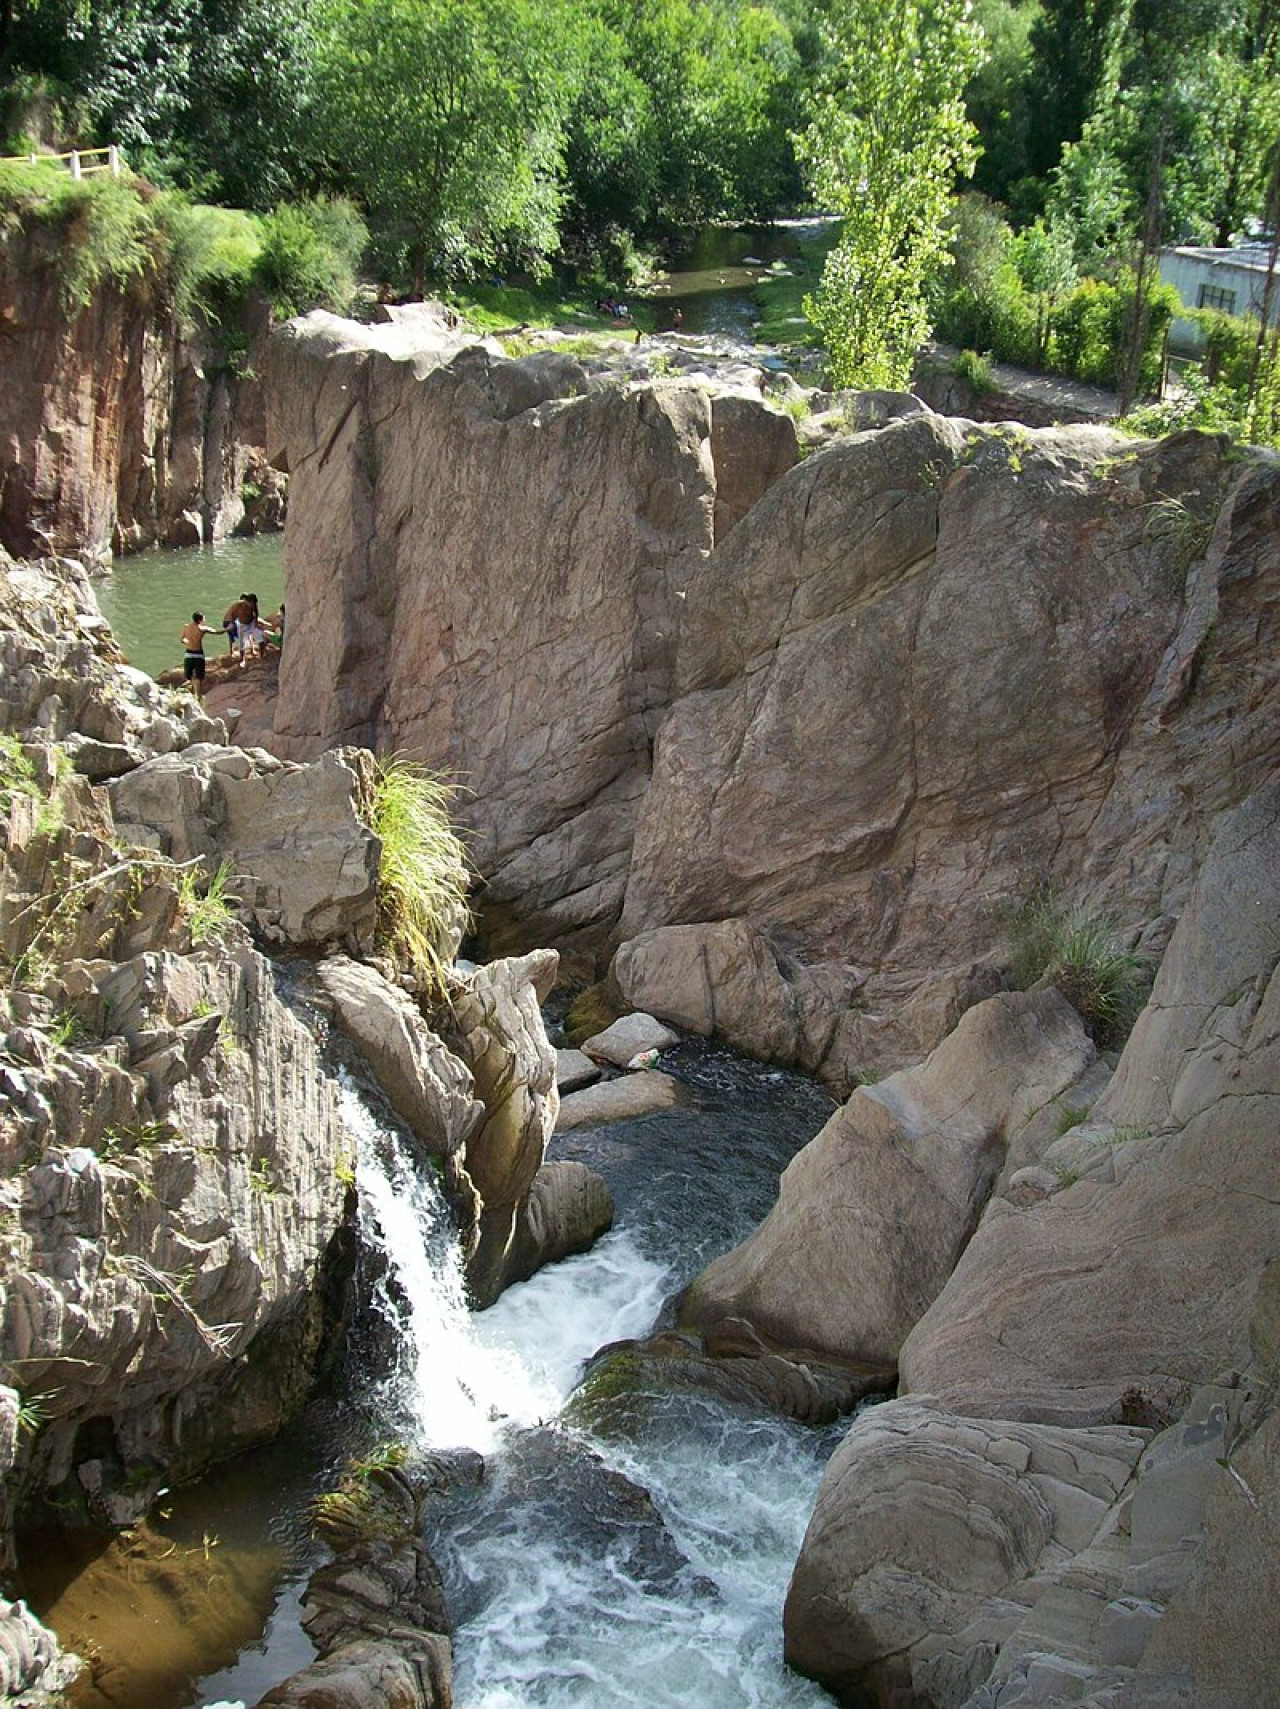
(1075, 46)
(247, 123)
(888, 138)
(1046, 266)
(999, 99)
(444, 117)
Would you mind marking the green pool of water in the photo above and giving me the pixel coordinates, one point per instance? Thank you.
(147, 598)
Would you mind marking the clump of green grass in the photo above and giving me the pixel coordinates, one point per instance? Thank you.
(17, 773)
(1081, 954)
(1071, 1115)
(423, 876)
(206, 907)
(370, 1503)
(976, 368)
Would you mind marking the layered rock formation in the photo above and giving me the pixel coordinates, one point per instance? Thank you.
(119, 432)
(173, 1168)
(874, 1213)
(796, 738)
(1012, 1532)
(486, 569)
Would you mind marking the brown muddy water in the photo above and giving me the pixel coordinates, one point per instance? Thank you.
(210, 1582)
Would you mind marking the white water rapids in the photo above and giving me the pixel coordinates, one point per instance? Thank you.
(570, 1592)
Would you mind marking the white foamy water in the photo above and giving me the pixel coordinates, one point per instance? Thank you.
(472, 1375)
(571, 1592)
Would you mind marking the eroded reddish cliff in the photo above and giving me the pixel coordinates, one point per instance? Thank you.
(117, 432)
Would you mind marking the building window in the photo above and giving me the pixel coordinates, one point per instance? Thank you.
(1216, 297)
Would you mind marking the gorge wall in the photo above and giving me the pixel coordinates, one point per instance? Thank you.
(119, 431)
(176, 1180)
(794, 741)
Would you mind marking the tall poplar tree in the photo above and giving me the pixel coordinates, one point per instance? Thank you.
(888, 139)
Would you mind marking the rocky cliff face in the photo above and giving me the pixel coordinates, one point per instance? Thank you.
(119, 433)
(486, 570)
(174, 1174)
(1085, 1455)
(799, 767)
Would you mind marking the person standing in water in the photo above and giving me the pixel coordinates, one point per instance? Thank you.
(192, 638)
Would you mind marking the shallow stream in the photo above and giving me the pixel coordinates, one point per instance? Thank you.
(638, 1559)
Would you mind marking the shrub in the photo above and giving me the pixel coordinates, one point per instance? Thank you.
(211, 256)
(17, 773)
(308, 256)
(208, 911)
(1084, 329)
(106, 227)
(977, 369)
(423, 877)
(1080, 954)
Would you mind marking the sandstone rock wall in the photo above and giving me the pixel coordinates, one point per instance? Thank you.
(1085, 1445)
(117, 432)
(799, 740)
(935, 669)
(486, 569)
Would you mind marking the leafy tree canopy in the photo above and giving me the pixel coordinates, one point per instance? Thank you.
(888, 139)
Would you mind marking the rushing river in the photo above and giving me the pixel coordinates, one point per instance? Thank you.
(639, 1559)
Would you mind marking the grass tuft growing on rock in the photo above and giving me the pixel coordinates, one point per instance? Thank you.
(1080, 953)
(17, 773)
(423, 877)
(208, 910)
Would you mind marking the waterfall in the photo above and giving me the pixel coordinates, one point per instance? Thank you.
(646, 1567)
(465, 1378)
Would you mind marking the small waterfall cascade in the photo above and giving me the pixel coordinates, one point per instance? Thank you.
(642, 1566)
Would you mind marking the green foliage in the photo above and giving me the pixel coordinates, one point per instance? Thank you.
(422, 877)
(371, 1502)
(889, 136)
(17, 773)
(446, 115)
(211, 257)
(127, 1141)
(308, 255)
(206, 905)
(105, 229)
(202, 261)
(999, 99)
(1013, 296)
(1104, 980)
(973, 366)
(67, 1031)
(262, 1179)
(1071, 1115)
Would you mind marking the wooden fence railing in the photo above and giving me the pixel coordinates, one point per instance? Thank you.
(79, 162)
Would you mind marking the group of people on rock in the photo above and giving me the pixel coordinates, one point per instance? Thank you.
(244, 628)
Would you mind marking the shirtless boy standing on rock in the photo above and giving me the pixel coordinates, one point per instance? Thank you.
(192, 638)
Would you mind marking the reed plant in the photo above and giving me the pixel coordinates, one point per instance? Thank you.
(1081, 953)
(423, 877)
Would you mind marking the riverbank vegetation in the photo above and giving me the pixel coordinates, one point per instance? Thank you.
(423, 876)
(1050, 147)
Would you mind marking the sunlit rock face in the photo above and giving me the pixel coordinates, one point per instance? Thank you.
(798, 738)
(120, 431)
(487, 568)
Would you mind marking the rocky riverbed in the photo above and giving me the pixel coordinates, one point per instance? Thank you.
(772, 746)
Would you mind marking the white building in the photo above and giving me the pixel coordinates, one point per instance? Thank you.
(1231, 280)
